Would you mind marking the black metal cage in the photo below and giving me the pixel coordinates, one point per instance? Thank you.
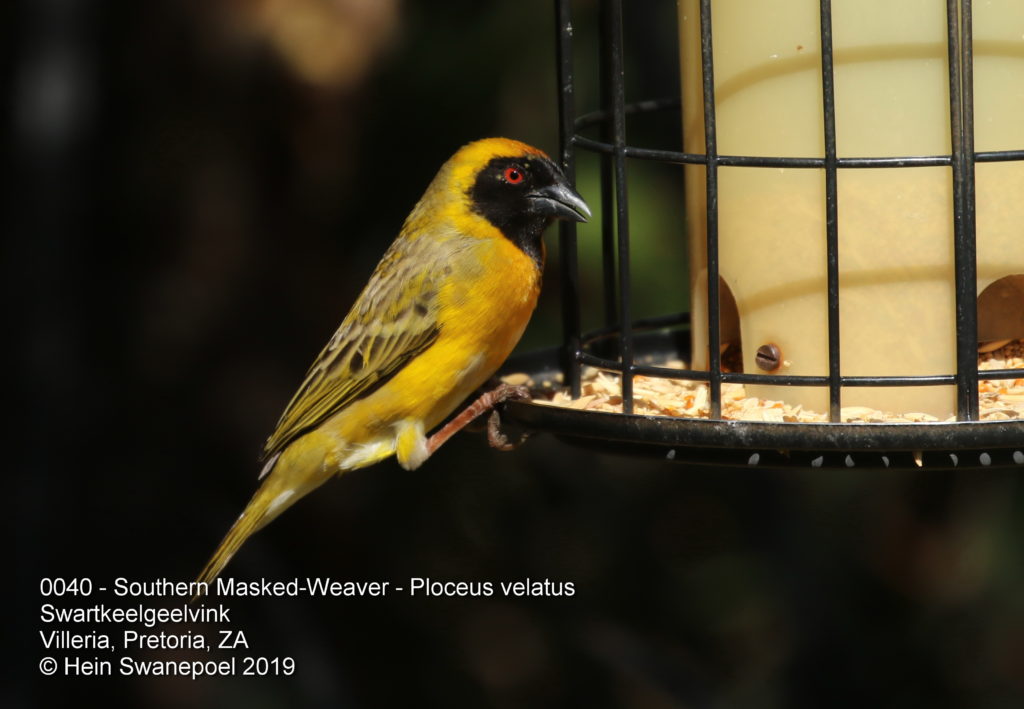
(964, 442)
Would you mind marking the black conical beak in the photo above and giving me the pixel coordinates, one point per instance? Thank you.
(559, 201)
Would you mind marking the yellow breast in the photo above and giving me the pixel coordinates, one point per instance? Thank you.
(485, 302)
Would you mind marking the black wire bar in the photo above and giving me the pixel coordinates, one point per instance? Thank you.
(612, 147)
(711, 183)
(614, 93)
(572, 349)
(676, 157)
(961, 115)
(828, 94)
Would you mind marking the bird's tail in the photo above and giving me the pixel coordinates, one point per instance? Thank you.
(252, 518)
(290, 478)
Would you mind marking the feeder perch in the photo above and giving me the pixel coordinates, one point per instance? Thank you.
(853, 175)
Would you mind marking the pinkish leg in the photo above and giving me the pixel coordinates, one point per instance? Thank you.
(501, 393)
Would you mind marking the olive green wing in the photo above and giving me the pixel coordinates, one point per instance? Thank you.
(393, 320)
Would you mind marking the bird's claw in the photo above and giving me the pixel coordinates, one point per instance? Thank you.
(509, 392)
(497, 438)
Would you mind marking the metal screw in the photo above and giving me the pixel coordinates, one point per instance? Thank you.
(768, 357)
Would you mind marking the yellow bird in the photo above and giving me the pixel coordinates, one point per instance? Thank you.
(443, 309)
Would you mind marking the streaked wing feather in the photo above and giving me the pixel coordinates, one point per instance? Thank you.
(393, 320)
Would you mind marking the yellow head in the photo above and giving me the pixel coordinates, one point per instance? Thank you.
(498, 186)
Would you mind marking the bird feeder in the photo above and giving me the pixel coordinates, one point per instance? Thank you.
(892, 218)
(853, 172)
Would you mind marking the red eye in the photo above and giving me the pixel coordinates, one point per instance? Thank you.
(513, 175)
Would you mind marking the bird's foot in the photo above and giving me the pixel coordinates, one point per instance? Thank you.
(487, 401)
(497, 438)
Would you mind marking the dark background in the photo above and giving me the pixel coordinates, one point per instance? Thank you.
(196, 193)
